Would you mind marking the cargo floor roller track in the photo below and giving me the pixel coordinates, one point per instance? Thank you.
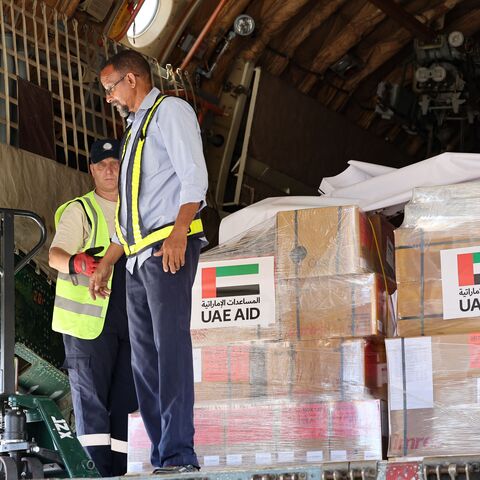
(441, 468)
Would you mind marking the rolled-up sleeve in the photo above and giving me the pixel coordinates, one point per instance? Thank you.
(115, 239)
(73, 230)
(181, 136)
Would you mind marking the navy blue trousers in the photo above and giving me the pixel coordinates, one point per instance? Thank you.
(101, 382)
(159, 309)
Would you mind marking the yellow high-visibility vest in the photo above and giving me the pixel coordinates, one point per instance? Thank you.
(74, 312)
(137, 237)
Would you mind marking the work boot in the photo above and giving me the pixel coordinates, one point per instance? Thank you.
(173, 469)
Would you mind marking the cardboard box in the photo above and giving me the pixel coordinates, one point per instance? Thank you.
(436, 326)
(330, 369)
(303, 431)
(315, 308)
(323, 241)
(333, 306)
(233, 371)
(230, 433)
(212, 336)
(333, 431)
(417, 438)
(434, 395)
(433, 432)
(384, 234)
(359, 431)
(419, 281)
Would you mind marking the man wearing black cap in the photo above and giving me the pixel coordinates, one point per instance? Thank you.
(95, 333)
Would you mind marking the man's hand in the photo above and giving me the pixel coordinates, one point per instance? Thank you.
(174, 246)
(85, 262)
(99, 281)
(173, 251)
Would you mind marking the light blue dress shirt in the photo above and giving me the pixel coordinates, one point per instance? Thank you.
(173, 166)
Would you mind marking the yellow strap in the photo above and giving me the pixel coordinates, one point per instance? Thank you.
(137, 168)
(129, 134)
(117, 213)
(377, 247)
(158, 235)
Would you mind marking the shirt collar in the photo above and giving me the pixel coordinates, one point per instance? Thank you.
(147, 103)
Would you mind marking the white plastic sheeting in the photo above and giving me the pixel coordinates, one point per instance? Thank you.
(370, 186)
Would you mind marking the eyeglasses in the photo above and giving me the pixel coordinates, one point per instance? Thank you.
(109, 90)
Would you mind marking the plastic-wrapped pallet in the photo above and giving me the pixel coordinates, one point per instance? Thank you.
(437, 261)
(305, 275)
(434, 395)
(276, 432)
(287, 325)
(329, 369)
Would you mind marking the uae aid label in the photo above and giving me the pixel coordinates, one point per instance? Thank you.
(460, 269)
(238, 293)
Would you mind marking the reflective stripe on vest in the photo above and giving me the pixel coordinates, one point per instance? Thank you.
(74, 312)
(137, 238)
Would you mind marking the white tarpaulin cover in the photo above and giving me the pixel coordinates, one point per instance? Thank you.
(372, 187)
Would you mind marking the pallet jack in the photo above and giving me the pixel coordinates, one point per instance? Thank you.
(35, 440)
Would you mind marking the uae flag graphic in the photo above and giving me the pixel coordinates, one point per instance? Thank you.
(230, 281)
(468, 269)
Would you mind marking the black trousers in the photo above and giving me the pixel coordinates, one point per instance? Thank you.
(101, 382)
(159, 310)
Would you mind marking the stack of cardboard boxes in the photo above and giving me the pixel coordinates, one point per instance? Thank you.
(434, 369)
(288, 338)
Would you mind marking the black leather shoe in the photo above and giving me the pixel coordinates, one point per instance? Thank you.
(172, 470)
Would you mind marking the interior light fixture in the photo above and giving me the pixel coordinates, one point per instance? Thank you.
(244, 25)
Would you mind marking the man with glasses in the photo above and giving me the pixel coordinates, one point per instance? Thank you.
(163, 182)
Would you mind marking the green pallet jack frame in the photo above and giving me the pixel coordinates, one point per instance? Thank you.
(25, 457)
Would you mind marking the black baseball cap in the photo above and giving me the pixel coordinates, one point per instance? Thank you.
(106, 148)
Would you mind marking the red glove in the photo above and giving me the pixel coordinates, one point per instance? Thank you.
(85, 262)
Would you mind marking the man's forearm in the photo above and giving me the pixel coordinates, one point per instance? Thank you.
(113, 253)
(58, 259)
(185, 216)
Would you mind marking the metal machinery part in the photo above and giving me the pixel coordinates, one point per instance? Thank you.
(35, 440)
(445, 86)
(243, 26)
